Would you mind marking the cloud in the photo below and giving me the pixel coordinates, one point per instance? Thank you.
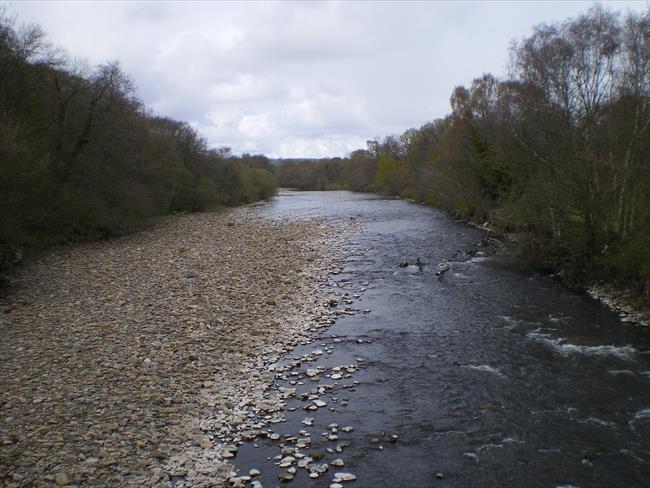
(299, 78)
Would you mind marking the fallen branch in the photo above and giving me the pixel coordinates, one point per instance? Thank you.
(442, 272)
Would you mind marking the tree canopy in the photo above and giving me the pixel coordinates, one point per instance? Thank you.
(81, 157)
(558, 151)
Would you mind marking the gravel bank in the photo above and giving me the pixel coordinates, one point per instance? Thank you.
(137, 362)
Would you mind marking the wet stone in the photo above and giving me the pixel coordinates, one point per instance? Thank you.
(338, 477)
(285, 476)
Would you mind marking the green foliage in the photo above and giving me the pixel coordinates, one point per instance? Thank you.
(81, 158)
(324, 174)
(257, 183)
(208, 194)
(496, 177)
(558, 154)
(389, 178)
(629, 258)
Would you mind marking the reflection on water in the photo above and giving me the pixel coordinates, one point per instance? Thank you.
(494, 375)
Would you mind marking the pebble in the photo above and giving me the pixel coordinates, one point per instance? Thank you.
(209, 278)
(236, 482)
(62, 479)
(205, 443)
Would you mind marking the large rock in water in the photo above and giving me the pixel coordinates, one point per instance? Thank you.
(345, 476)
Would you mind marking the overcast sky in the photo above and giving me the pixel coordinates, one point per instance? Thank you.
(298, 79)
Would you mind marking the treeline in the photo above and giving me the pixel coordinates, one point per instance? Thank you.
(82, 158)
(559, 152)
(307, 174)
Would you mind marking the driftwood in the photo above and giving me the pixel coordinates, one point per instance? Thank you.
(442, 272)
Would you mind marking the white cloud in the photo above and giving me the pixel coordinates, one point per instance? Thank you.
(256, 126)
(314, 147)
(243, 88)
(299, 78)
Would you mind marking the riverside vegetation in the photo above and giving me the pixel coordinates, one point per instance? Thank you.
(557, 153)
(82, 158)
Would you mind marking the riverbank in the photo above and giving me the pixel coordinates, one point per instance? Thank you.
(130, 362)
(618, 295)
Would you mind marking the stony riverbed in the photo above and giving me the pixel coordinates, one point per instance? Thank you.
(140, 361)
(322, 340)
(486, 374)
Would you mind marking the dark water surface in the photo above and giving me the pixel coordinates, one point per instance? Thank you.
(494, 376)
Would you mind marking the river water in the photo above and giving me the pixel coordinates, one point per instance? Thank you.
(493, 375)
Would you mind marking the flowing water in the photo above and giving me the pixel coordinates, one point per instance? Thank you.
(493, 375)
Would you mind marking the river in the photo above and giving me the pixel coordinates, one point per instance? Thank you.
(492, 375)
